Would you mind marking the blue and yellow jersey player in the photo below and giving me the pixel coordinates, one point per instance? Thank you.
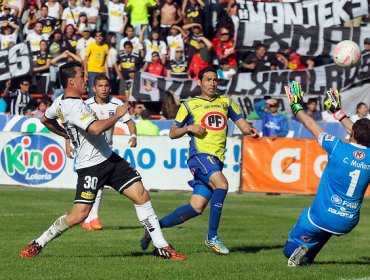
(204, 119)
(336, 207)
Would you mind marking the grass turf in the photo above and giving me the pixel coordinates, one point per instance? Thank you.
(253, 226)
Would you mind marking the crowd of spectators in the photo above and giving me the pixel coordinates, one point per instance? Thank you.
(172, 38)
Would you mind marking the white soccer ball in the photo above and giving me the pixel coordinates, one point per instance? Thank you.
(347, 54)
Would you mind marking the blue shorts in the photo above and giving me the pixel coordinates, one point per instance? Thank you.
(202, 166)
(305, 233)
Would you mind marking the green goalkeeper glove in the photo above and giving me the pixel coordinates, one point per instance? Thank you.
(295, 96)
(333, 104)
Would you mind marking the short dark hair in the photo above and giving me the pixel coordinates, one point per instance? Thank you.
(44, 6)
(361, 132)
(127, 43)
(206, 70)
(100, 77)
(311, 100)
(145, 114)
(224, 61)
(67, 71)
(359, 105)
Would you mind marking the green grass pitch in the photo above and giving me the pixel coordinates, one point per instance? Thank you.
(253, 226)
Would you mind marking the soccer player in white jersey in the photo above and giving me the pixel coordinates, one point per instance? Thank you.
(96, 164)
(104, 106)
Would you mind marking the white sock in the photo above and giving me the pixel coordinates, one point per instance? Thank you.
(95, 208)
(149, 220)
(57, 228)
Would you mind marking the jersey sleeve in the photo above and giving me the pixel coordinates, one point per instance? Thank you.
(328, 142)
(51, 112)
(182, 116)
(81, 115)
(234, 111)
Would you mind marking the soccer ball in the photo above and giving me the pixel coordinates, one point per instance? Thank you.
(346, 54)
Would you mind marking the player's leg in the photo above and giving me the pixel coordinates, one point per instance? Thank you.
(92, 222)
(304, 242)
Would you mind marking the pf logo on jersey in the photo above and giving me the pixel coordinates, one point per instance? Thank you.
(359, 154)
(214, 121)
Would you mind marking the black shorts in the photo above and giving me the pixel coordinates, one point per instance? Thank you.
(114, 172)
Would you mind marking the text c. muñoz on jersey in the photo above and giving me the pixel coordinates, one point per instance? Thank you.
(338, 200)
(213, 115)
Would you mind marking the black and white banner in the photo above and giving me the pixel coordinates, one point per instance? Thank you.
(149, 87)
(323, 13)
(15, 62)
(308, 40)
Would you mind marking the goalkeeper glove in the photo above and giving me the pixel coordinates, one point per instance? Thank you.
(333, 104)
(295, 96)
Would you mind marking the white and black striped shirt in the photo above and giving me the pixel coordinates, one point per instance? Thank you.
(18, 101)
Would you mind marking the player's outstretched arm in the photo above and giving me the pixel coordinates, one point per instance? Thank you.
(54, 126)
(333, 105)
(295, 97)
(100, 126)
(247, 128)
(177, 132)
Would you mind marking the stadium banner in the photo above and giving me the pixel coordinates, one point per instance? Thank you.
(312, 13)
(39, 160)
(308, 40)
(15, 62)
(289, 166)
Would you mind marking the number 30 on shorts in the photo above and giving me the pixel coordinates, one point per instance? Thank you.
(91, 182)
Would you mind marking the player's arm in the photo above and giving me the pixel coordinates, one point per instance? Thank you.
(54, 126)
(69, 149)
(295, 99)
(132, 129)
(99, 126)
(247, 128)
(177, 132)
(333, 105)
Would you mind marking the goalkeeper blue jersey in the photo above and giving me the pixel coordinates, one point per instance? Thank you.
(337, 204)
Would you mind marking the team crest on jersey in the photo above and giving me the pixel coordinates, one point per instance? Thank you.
(111, 112)
(224, 106)
(215, 121)
(336, 199)
(360, 155)
(329, 137)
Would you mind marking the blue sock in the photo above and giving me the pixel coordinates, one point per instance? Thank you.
(180, 215)
(217, 201)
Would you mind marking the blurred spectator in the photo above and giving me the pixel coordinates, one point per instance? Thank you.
(170, 105)
(139, 14)
(366, 46)
(35, 37)
(225, 10)
(56, 48)
(84, 42)
(153, 45)
(117, 19)
(362, 111)
(41, 62)
(297, 61)
(29, 17)
(70, 38)
(128, 63)
(145, 127)
(18, 99)
(7, 15)
(70, 14)
(178, 67)
(16, 6)
(137, 47)
(55, 9)
(175, 40)
(155, 67)
(224, 47)
(91, 13)
(48, 22)
(9, 34)
(83, 24)
(170, 15)
(202, 59)
(112, 63)
(3, 105)
(312, 111)
(138, 109)
(274, 124)
(96, 60)
(193, 11)
(257, 61)
(39, 113)
(225, 71)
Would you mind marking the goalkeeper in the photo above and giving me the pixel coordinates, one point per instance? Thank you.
(336, 207)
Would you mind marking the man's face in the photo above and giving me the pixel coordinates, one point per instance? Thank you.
(99, 37)
(43, 45)
(312, 106)
(130, 32)
(208, 84)
(363, 110)
(80, 81)
(101, 89)
(367, 47)
(128, 49)
(155, 57)
(44, 12)
(272, 107)
(224, 34)
(86, 34)
(25, 86)
(87, 3)
(139, 108)
(261, 52)
(72, 3)
(6, 10)
(179, 54)
(38, 28)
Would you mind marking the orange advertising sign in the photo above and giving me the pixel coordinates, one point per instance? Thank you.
(283, 165)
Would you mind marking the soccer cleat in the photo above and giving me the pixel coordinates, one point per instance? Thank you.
(145, 241)
(95, 224)
(168, 253)
(298, 257)
(87, 226)
(216, 245)
(31, 250)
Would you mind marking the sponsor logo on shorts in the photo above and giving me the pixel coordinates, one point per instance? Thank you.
(88, 195)
(32, 159)
(360, 155)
